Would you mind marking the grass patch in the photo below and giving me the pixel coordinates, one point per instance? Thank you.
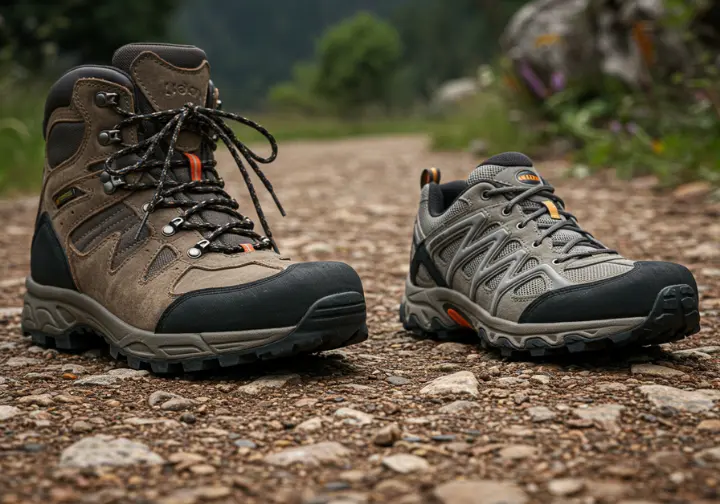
(21, 141)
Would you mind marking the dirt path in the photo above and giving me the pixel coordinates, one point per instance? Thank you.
(606, 429)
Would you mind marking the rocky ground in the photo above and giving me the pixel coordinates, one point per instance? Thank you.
(394, 419)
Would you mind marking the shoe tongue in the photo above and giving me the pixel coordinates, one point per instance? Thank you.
(516, 169)
(510, 168)
(169, 76)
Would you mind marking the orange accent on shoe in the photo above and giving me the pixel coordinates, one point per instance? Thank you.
(195, 167)
(459, 319)
(554, 212)
(431, 175)
(247, 247)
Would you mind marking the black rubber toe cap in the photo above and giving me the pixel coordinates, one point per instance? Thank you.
(631, 294)
(278, 301)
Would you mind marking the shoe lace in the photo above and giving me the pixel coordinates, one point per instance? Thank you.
(209, 124)
(534, 210)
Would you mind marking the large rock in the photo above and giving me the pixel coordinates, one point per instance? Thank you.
(107, 451)
(480, 492)
(685, 400)
(461, 383)
(549, 38)
(327, 453)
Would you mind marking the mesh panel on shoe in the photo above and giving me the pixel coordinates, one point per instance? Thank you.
(509, 248)
(162, 259)
(447, 253)
(533, 287)
(487, 231)
(484, 172)
(457, 208)
(596, 272)
(494, 281)
(529, 264)
(471, 267)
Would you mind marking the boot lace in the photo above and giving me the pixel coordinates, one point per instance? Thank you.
(209, 124)
(534, 210)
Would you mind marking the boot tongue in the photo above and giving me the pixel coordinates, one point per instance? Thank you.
(516, 169)
(169, 76)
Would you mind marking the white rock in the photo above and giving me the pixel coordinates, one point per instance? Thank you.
(603, 413)
(354, 417)
(686, 400)
(111, 377)
(462, 382)
(709, 455)
(313, 455)
(517, 452)
(266, 382)
(7, 412)
(564, 487)
(541, 378)
(40, 399)
(480, 492)
(21, 361)
(511, 381)
(541, 414)
(404, 463)
(160, 396)
(458, 407)
(311, 425)
(655, 370)
(107, 451)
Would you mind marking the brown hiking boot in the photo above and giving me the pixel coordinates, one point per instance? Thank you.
(137, 241)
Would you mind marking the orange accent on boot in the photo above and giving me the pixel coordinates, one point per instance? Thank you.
(554, 212)
(195, 167)
(459, 319)
(247, 247)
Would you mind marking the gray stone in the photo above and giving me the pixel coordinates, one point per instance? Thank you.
(21, 361)
(460, 383)
(685, 400)
(480, 492)
(458, 407)
(397, 380)
(40, 399)
(177, 404)
(404, 463)
(655, 370)
(160, 396)
(268, 382)
(387, 436)
(111, 377)
(603, 413)
(104, 450)
(326, 453)
(541, 378)
(541, 414)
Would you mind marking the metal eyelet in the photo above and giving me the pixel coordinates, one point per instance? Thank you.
(536, 244)
(505, 212)
(107, 137)
(556, 261)
(171, 228)
(520, 225)
(198, 249)
(103, 99)
(111, 182)
(485, 195)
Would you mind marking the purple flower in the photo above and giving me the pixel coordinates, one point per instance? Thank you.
(616, 126)
(558, 81)
(536, 85)
(632, 128)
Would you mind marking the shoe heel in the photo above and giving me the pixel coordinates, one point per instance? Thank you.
(51, 324)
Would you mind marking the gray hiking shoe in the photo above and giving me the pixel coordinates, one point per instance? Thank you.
(137, 241)
(499, 255)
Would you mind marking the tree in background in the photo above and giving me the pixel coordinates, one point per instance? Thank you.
(356, 61)
(32, 32)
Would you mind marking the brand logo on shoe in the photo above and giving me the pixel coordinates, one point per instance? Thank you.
(66, 196)
(181, 89)
(528, 177)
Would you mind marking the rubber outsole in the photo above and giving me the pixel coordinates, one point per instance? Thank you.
(331, 323)
(674, 316)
